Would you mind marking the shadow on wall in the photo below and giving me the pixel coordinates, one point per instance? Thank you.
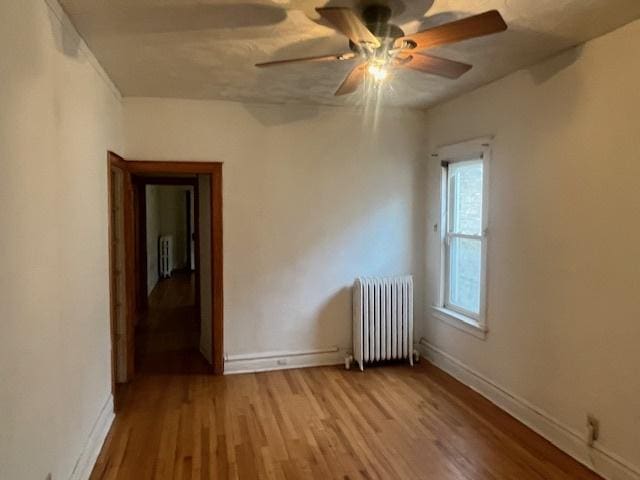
(149, 19)
(525, 43)
(66, 41)
(269, 116)
(515, 49)
(542, 72)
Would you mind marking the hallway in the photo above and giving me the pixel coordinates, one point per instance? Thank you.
(168, 335)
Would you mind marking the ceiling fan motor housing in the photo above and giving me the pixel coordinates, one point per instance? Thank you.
(376, 18)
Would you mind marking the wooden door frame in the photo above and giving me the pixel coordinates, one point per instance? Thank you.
(115, 162)
(214, 170)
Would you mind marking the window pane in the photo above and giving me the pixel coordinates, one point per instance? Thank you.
(464, 273)
(465, 197)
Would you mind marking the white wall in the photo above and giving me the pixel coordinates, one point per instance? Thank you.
(59, 117)
(312, 198)
(564, 237)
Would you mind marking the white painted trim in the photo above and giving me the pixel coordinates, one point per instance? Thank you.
(67, 25)
(459, 321)
(452, 154)
(598, 459)
(86, 461)
(282, 360)
(465, 148)
(290, 353)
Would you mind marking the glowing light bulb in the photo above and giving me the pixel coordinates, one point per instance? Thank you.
(378, 72)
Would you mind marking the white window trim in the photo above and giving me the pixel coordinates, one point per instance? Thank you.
(475, 325)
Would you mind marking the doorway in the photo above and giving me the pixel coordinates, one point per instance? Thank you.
(169, 335)
(195, 281)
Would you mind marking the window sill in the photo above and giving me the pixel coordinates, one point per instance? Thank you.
(461, 322)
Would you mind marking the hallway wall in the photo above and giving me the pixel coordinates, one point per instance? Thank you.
(60, 115)
(166, 215)
(152, 200)
(173, 220)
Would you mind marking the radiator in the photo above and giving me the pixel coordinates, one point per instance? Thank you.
(382, 320)
(165, 252)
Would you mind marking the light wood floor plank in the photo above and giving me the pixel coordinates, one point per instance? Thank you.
(393, 422)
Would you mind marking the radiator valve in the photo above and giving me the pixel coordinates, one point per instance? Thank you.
(347, 362)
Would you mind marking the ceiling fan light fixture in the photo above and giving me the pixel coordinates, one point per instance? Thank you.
(377, 71)
(381, 46)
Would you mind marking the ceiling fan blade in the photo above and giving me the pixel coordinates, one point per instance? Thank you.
(349, 24)
(471, 27)
(318, 58)
(352, 82)
(436, 65)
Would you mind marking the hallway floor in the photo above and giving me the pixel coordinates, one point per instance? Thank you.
(168, 336)
(392, 422)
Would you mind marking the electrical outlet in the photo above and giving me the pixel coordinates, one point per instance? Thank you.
(593, 430)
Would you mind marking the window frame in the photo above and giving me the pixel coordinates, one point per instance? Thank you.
(471, 322)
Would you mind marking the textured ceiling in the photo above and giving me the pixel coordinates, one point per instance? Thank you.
(208, 48)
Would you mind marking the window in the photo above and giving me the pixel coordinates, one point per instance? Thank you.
(463, 235)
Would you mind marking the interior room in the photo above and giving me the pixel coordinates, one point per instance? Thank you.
(286, 239)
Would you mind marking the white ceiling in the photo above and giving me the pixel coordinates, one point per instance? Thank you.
(208, 48)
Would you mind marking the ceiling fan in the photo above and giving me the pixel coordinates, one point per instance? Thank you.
(382, 46)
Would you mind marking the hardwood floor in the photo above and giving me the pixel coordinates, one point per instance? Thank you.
(392, 422)
(168, 336)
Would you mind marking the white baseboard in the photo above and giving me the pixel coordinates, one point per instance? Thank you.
(604, 463)
(89, 455)
(282, 360)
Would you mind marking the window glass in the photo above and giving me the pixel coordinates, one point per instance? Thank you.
(465, 197)
(464, 273)
(464, 235)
